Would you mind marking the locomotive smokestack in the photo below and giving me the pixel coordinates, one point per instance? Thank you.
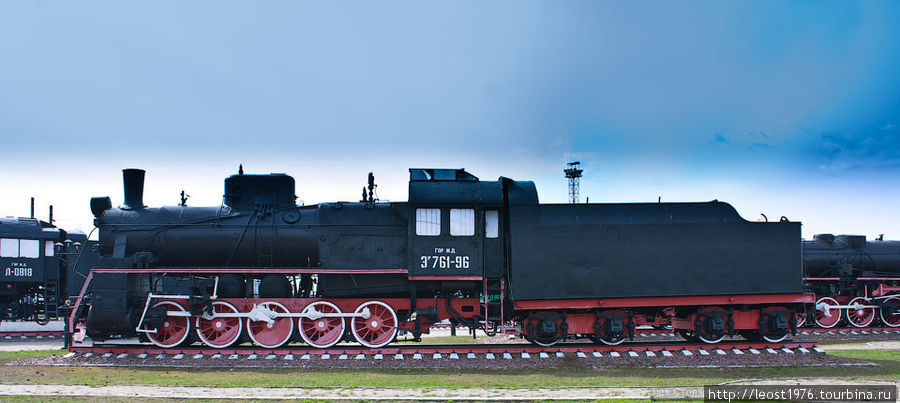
(133, 179)
(50, 220)
(32, 207)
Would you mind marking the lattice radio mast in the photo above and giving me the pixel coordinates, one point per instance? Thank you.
(573, 173)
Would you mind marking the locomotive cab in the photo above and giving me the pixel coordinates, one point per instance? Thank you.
(454, 226)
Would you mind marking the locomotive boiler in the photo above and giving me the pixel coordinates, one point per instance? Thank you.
(262, 269)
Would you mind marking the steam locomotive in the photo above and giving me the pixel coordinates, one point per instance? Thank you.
(856, 281)
(39, 268)
(477, 253)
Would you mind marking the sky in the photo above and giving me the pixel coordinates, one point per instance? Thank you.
(787, 108)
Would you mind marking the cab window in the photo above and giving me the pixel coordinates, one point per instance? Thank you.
(30, 248)
(462, 222)
(428, 221)
(491, 224)
(9, 247)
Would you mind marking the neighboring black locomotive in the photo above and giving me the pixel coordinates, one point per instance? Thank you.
(479, 253)
(37, 268)
(855, 280)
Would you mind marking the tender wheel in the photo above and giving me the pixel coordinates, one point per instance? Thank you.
(611, 340)
(711, 329)
(321, 332)
(801, 319)
(688, 335)
(379, 328)
(891, 319)
(859, 316)
(772, 338)
(543, 342)
(711, 338)
(271, 335)
(825, 316)
(174, 329)
(220, 332)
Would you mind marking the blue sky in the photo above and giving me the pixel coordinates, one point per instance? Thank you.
(785, 107)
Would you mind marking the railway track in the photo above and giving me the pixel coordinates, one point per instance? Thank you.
(43, 334)
(489, 351)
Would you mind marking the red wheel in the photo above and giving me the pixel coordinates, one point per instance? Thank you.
(220, 332)
(174, 329)
(271, 334)
(379, 328)
(859, 316)
(892, 320)
(321, 332)
(826, 316)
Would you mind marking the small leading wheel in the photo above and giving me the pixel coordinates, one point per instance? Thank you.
(174, 329)
(274, 334)
(218, 331)
(890, 312)
(321, 332)
(858, 315)
(826, 316)
(379, 328)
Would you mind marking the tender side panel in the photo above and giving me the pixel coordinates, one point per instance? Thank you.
(599, 251)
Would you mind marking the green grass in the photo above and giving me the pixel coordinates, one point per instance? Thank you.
(888, 369)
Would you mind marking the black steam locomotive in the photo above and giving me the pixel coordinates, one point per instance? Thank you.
(856, 281)
(479, 253)
(38, 269)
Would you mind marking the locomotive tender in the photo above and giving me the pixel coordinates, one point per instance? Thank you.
(479, 253)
